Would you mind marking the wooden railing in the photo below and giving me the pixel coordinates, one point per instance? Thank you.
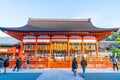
(43, 62)
(63, 64)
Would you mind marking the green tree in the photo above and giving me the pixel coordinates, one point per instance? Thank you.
(115, 51)
(113, 37)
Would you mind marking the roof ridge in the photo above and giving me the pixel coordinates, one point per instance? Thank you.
(41, 19)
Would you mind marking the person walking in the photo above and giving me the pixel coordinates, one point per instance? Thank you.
(5, 63)
(28, 63)
(17, 65)
(1, 62)
(74, 66)
(83, 64)
(20, 63)
(115, 63)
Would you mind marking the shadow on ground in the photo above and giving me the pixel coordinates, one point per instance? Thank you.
(19, 76)
(101, 76)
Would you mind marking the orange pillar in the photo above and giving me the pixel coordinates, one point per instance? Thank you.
(36, 47)
(86, 54)
(97, 49)
(68, 49)
(90, 54)
(50, 48)
(13, 57)
(82, 47)
(21, 48)
(50, 56)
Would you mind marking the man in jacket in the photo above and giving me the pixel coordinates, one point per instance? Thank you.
(83, 64)
(17, 65)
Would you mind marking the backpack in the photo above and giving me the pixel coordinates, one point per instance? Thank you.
(83, 63)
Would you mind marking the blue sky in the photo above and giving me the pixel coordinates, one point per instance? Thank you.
(103, 13)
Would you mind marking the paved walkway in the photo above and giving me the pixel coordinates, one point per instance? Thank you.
(58, 74)
(66, 74)
(50, 74)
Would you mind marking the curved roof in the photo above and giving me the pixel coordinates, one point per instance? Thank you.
(58, 25)
(8, 41)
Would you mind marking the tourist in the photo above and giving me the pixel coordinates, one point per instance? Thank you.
(1, 62)
(74, 66)
(20, 63)
(5, 63)
(28, 63)
(115, 63)
(83, 64)
(17, 64)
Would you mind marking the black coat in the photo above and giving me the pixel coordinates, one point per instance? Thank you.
(6, 63)
(18, 62)
(28, 61)
(74, 64)
(1, 62)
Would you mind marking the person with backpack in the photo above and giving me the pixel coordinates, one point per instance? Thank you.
(83, 64)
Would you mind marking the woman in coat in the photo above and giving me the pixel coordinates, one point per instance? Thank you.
(74, 66)
(5, 63)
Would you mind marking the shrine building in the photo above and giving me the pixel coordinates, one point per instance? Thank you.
(55, 42)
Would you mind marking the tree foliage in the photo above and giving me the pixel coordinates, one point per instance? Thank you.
(113, 37)
(115, 51)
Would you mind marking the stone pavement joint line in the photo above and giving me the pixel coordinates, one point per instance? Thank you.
(58, 74)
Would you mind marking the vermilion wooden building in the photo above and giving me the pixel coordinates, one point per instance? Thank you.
(55, 42)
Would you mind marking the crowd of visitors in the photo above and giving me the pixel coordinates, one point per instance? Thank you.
(4, 63)
(83, 63)
(75, 66)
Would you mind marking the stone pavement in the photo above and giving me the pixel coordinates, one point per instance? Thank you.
(59, 74)
(50, 74)
(66, 74)
(102, 76)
